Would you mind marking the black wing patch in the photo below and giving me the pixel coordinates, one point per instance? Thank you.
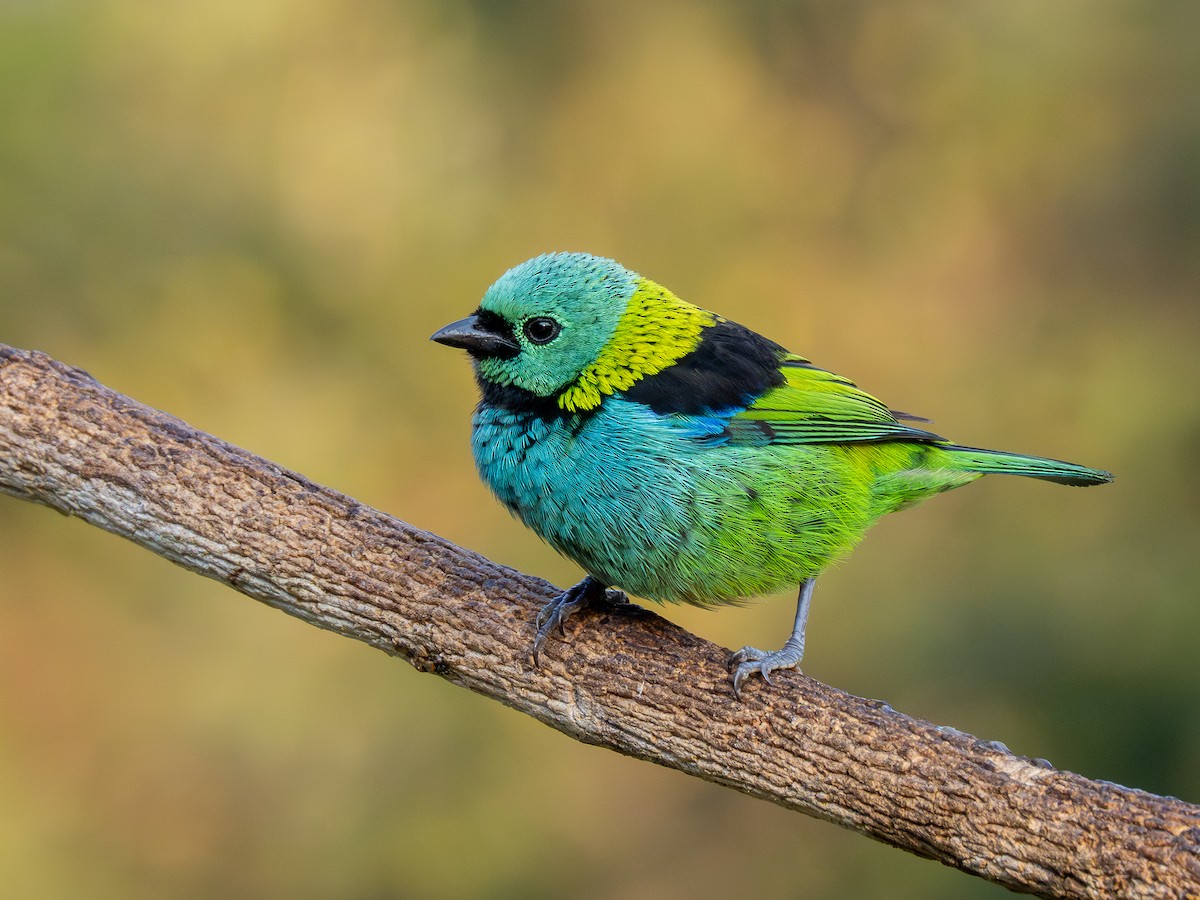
(730, 366)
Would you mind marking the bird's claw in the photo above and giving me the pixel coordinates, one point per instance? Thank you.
(749, 660)
(554, 614)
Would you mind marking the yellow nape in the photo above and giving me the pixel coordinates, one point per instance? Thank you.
(656, 330)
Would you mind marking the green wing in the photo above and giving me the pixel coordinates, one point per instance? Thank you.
(814, 406)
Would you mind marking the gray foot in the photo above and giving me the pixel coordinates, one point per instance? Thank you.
(554, 614)
(749, 660)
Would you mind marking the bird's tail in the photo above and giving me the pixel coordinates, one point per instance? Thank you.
(997, 462)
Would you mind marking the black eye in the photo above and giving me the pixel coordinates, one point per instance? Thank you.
(541, 330)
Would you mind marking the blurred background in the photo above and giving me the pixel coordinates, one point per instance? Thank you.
(253, 214)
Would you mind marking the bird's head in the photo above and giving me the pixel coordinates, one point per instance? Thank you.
(574, 327)
(544, 321)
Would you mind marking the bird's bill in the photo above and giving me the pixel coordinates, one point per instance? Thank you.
(467, 334)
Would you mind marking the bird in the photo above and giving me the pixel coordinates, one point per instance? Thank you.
(680, 457)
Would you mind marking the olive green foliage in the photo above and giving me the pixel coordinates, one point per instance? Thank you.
(253, 214)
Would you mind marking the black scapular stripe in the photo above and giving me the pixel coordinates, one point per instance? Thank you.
(730, 366)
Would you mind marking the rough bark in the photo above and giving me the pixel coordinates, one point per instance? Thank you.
(78, 447)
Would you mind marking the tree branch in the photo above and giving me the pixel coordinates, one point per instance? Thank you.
(78, 447)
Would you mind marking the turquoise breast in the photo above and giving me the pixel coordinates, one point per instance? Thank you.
(638, 508)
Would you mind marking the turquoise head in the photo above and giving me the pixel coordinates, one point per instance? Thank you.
(572, 329)
(544, 321)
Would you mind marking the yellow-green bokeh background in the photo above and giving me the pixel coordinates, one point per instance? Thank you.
(252, 214)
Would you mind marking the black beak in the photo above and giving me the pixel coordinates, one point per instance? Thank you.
(469, 335)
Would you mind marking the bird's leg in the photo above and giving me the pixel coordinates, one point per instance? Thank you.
(751, 659)
(554, 614)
